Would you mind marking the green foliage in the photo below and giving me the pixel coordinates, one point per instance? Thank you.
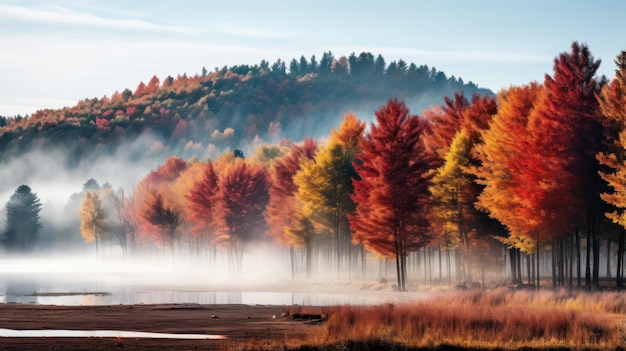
(22, 220)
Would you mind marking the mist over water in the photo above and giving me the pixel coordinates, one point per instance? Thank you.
(81, 279)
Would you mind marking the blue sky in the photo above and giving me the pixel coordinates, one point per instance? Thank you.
(54, 53)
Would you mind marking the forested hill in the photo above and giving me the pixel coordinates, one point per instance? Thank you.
(231, 107)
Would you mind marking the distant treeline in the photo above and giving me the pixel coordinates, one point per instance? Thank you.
(229, 107)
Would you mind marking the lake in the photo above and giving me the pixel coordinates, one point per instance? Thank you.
(83, 281)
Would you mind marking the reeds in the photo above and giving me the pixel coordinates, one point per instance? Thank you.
(502, 319)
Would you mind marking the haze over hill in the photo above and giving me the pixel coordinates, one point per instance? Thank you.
(232, 106)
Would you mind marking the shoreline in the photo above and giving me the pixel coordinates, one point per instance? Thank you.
(242, 325)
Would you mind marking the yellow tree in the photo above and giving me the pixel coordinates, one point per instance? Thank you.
(288, 223)
(613, 106)
(325, 183)
(93, 221)
(451, 190)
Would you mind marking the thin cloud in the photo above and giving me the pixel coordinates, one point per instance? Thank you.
(254, 33)
(60, 15)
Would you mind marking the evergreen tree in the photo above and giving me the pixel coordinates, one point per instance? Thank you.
(22, 220)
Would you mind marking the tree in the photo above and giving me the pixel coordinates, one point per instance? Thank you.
(612, 102)
(288, 223)
(325, 183)
(126, 226)
(239, 212)
(557, 181)
(165, 217)
(22, 223)
(502, 143)
(93, 222)
(453, 197)
(201, 202)
(391, 193)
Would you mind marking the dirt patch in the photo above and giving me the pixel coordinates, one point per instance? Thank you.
(243, 325)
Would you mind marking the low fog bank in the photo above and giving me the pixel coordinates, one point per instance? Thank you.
(264, 265)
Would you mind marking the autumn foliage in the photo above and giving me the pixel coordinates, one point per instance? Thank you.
(539, 167)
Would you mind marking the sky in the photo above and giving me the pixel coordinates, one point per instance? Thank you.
(55, 53)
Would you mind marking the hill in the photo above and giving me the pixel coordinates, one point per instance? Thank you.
(231, 107)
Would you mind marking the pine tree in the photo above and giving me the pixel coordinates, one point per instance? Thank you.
(391, 191)
(22, 223)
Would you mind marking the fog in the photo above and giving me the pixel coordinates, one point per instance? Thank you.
(46, 172)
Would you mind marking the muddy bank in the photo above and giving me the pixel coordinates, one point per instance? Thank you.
(243, 325)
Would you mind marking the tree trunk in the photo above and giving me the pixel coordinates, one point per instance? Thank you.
(578, 263)
(440, 268)
(528, 259)
(309, 257)
(538, 274)
(513, 261)
(596, 258)
(588, 260)
(449, 267)
(554, 264)
(620, 263)
(570, 255)
(608, 259)
(293, 264)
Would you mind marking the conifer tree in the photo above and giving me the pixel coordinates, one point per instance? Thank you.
(325, 183)
(613, 106)
(392, 189)
(22, 222)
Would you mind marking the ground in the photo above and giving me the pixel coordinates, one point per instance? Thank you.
(243, 325)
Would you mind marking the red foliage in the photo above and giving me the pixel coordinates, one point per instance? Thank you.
(242, 199)
(103, 123)
(201, 201)
(283, 188)
(392, 192)
(168, 172)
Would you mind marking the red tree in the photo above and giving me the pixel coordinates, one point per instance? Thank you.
(201, 202)
(392, 192)
(239, 212)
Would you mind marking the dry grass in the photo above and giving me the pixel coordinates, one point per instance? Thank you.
(501, 319)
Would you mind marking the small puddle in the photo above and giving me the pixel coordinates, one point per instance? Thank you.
(59, 333)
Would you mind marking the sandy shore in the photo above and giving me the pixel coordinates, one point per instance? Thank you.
(243, 325)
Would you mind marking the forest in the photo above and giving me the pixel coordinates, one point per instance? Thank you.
(530, 182)
(227, 108)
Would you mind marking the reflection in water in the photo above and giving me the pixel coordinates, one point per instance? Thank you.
(58, 333)
(19, 291)
(74, 283)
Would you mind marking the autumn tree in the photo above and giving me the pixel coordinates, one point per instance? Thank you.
(164, 216)
(325, 183)
(124, 224)
(94, 224)
(453, 198)
(613, 106)
(22, 221)
(156, 191)
(392, 192)
(458, 123)
(288, 223)
(239, 211)
(502, 144)
(201, 202)
(557, 183)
